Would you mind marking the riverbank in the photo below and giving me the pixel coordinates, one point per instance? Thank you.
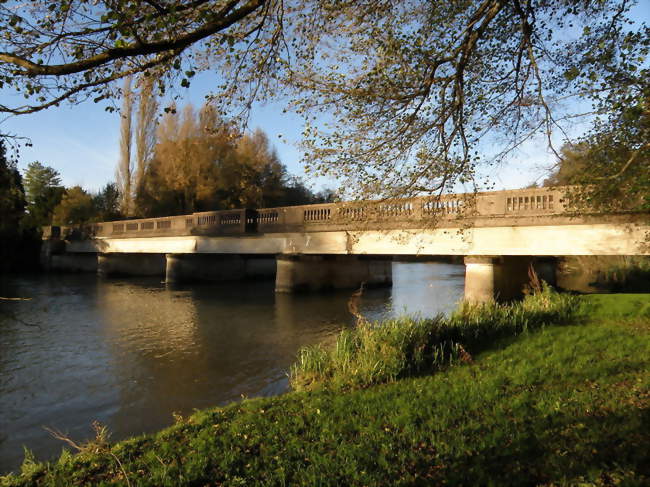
(565, 404)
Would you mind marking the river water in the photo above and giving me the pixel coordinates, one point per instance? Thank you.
(130, 352)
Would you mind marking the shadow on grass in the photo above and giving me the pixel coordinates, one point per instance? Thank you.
(559, 449)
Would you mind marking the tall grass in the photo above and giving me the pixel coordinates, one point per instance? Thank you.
(374, 353)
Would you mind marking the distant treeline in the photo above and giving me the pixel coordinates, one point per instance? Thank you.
(19, 241)
(197, 164)
(185, 162)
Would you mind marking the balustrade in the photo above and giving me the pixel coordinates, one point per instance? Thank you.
(533, 202)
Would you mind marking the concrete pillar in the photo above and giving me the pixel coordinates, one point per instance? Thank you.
(481, 275)
(204, 267)
(260, 267)
(320, 272)
(494, 278)
(218, 267)
(50, 247)
(71, 262)
(117, 264)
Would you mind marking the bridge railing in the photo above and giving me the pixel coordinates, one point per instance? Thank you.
(407, 212)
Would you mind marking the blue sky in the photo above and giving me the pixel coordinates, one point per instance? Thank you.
(82, 141)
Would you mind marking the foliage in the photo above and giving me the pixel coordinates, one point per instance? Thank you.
(251, 176)
(408, 91)
(76, 206)
(12, 195)
(564, 406)
(181, 178)
(375, 353)
(610, 167)
(20, 242)
(43, 191)
(12, 209)
(124, 172)
(202, 163)
(145, 130)
(107, 203)
(137, 141)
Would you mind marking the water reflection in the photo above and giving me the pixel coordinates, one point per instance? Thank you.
(130, 352)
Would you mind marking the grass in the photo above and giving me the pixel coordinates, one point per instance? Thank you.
(619, 306)
(375, 353)
(565, 405)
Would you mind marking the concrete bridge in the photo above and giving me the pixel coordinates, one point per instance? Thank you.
(499, 234)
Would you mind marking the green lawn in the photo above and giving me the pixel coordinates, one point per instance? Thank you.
(564, 405)
(617, 306)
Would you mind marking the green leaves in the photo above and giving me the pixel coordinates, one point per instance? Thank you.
(383, 79)
(572, 73)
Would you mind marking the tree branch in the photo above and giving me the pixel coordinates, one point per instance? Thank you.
(136, 49)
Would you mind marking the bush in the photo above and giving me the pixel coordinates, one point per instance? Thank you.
(375, 353)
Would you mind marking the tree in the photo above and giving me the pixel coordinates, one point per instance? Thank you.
(55, 50)
(124, 172)
(609, 169)
(202, 163)
(76, 207)
(574, 161)
(43, 191)
(182, 175)
(20, 242)
(12, 198)
(106, 203)
(411, 89)
(145, 132)
(251, 176)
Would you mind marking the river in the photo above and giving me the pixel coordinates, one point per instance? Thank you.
(130, 352)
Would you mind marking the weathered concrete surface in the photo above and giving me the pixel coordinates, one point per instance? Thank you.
(259, 268)
(217, 267)
(297, 273)
(130, 264)
(482, 275)
(547, 240)
(503, 278)
(524, 207)
(73, 262)
(48, 249)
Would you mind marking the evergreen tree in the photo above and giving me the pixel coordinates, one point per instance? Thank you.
(43, 191)
(107, 203)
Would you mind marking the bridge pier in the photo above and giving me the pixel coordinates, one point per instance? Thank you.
(502, 278)
(117, 264)
(217, 267)
(70, 262)
(319, 272)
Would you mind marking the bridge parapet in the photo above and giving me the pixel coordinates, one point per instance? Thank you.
(445, 211)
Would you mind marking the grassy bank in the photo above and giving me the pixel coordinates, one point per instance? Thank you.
(563, 405)
(375, 353)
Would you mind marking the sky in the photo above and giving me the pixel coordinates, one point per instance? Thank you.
(82, 141)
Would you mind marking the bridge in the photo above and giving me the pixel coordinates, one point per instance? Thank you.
(339, 245)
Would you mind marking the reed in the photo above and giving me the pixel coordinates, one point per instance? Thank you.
(380, 352)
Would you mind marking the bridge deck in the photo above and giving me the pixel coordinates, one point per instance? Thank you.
(520, 222)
